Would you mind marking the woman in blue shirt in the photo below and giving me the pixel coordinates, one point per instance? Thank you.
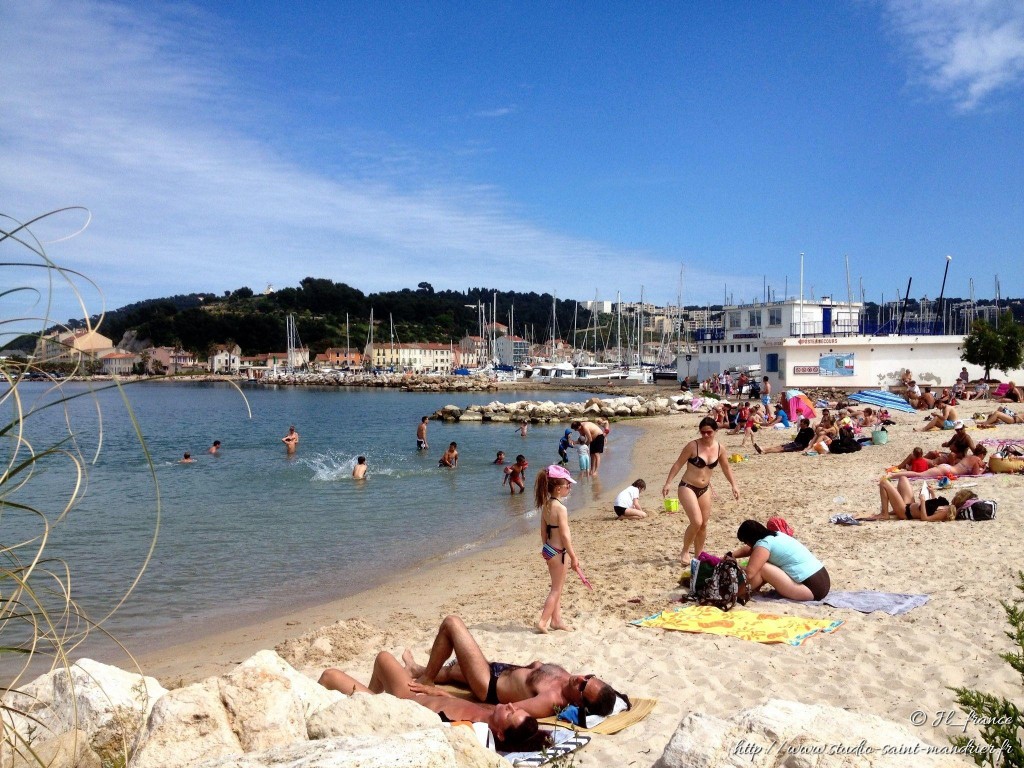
(781, 561)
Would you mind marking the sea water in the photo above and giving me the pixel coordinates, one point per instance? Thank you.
(253, 532)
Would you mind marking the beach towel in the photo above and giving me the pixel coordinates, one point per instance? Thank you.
(620, 718)
(565, 741)
(744, 624)
(865, 601)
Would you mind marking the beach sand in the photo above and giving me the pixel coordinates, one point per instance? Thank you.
(889, 666)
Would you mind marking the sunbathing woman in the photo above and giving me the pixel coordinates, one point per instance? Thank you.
(781, 561)
(974, 464)
(551, 487)
(699, 457)
(903, 504)
(513, 729)
(1003, 415)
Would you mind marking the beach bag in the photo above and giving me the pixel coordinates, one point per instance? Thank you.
(977, 509)
(726, 586)
(880, 436)
(700, 572)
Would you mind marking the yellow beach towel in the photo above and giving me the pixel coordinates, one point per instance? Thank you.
(748, 625)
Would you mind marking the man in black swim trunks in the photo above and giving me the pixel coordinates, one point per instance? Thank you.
(595, 439)
(538, 689)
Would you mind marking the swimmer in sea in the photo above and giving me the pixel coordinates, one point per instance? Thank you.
(421, 435)
(187, 458)
(291, 440)
(450, 458)
(359, 470)
(215, 448)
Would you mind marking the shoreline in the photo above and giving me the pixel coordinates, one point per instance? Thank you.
(230, 646)
(890, 666)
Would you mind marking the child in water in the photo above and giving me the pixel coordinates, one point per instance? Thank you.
(584, 451)
(551, 488)
(516, 474)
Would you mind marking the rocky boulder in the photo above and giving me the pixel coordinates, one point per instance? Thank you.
(786, 734)
(187, 725)
(107, 703)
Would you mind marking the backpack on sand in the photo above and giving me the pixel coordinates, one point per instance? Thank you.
(726, 586)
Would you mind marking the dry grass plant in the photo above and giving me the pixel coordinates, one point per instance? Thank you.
(41, 624)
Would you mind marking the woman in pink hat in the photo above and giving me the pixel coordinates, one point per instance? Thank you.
(552, 486)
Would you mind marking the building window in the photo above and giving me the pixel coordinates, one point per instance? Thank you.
(775, 316)
(771, 363)
(754, 318)
(748, 347)
(734, 319)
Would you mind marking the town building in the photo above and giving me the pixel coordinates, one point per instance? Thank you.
(119, 363)
(339, 357)
(865, 362)
(512, 350)
(736, 343)
(76, 347)
(225, 358)
(170, 360)
(414, 357)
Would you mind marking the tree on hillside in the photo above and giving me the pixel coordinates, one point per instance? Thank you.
(991, 347)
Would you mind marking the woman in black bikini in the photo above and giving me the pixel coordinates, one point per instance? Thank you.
(699, 458)
(903, 503)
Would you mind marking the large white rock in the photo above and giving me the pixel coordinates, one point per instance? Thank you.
(469, 752)
(310, 695)
(416, 749)
(187, 725)
(262, 708)
(107, 703)
(364, 714)
(786, 734)
(69, 750)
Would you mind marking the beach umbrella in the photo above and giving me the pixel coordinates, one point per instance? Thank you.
(883, 399)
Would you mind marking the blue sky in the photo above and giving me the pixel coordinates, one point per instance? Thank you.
(579, 148)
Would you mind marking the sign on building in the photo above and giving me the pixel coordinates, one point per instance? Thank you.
(836, 365)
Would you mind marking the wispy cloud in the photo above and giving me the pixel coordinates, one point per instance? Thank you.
(101, 109)
(967, 50)
(497, 112)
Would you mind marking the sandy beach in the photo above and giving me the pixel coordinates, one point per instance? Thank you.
(889, 666)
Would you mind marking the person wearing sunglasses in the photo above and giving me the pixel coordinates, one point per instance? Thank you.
(699, 457)
(538, 689)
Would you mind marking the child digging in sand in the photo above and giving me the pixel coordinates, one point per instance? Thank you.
(551, 487)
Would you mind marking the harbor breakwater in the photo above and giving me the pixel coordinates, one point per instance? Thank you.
(547, 411)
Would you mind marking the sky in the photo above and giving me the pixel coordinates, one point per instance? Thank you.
(581, 149)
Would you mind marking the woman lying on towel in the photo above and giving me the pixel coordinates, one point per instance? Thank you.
(513, 729)
(781, 561)
(974, 464)
(1002, 416)
(904, 504)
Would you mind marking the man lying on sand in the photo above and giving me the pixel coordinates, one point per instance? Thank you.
(513, 729)
(538, 689)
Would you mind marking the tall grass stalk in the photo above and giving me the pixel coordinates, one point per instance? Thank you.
(41, 624)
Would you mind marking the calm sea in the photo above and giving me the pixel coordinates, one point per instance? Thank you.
(252, 532)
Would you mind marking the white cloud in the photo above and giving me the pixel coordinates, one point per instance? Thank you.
(130, 115)
(968, 50)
